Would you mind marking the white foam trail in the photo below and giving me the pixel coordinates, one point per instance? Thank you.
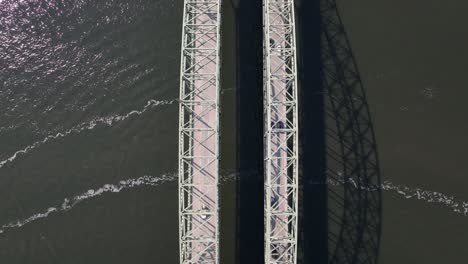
(69, 203)
(458, 206)
(106, 121)
(8, 128)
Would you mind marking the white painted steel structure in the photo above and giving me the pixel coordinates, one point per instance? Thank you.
(199, 133)
(281, 132)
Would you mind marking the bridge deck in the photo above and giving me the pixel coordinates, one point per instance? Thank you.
(281, 139)
(199, 133)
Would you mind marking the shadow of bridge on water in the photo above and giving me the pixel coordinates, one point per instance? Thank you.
(340, 219)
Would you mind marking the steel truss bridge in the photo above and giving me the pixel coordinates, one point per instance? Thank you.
(199, 132)
(280, 132)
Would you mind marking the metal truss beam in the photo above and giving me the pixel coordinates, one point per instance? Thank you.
(280, 132)
(199, 133)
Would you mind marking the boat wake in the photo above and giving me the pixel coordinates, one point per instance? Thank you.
(69, 203)
(103, 121)
(456, 205)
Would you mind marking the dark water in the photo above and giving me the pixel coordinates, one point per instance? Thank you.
(69, 65)
(412, 56)
(86, 90)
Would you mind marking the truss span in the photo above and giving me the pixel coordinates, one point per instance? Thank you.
(199, 133)
(280, 132)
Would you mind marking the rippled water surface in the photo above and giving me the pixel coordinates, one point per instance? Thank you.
(87, 93)
(88, 128)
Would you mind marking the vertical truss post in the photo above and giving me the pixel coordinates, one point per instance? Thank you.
(280, 132)
(199, 133)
